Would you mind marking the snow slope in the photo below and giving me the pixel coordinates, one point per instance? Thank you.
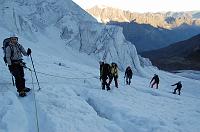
(189, 74)
(74, 26)
(73, 101)
(71, 98)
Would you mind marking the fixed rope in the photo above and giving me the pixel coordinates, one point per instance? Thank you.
(35, 105)
(52, 75)
(35, 102)
(46, 74)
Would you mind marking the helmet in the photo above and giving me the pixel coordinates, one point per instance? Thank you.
(14, 38)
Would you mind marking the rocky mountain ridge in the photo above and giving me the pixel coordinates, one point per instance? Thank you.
(183, 55)
(166, 20)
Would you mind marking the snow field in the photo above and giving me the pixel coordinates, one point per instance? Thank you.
(76, 103)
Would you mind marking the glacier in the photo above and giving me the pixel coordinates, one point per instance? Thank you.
(76, 28)
(67, 43)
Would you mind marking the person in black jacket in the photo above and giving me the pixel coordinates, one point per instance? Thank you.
(155, 80)
(178, 87)
(128, 75)
(104, 75)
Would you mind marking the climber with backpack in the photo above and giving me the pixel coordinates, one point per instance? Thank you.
(13, 58)
(105, 75)
(128, 75)
(114, 74)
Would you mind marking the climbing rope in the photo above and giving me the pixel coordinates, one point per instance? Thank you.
(35, 105)
(52, 75)
(46, 74)
(35, 102)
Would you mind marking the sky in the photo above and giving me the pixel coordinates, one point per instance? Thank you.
(144, 5)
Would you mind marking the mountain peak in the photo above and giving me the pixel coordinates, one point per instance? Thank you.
(159, 19)
(100, 6)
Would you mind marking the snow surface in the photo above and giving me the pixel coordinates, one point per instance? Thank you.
(68, 43)
(79, 105)
(189, 74)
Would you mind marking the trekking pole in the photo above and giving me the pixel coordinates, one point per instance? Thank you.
(35, 73)
(13, 82)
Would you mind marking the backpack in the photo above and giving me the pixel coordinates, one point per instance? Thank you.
(5, 45)
(114, 64)
(105, 70)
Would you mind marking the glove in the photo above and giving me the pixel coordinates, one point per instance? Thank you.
(23, 64)
(28, 51)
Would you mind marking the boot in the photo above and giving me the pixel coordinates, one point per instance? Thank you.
(27, 89)
(174, 92)
(22, 94)
(108, 88)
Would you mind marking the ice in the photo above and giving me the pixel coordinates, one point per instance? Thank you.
(66, 49)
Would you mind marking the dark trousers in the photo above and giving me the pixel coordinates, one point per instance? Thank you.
(179, 91)
(154, 84)
(115, 79)
(104, 83)
(128, 80)
(18, 72)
